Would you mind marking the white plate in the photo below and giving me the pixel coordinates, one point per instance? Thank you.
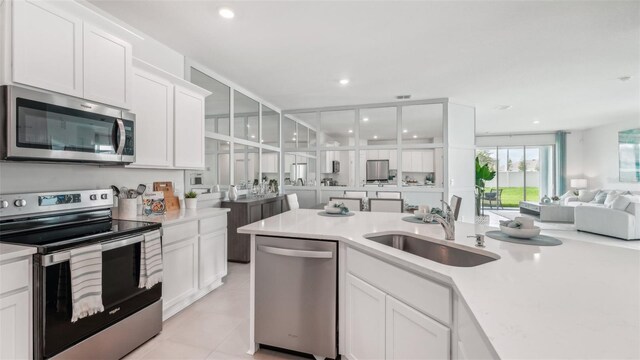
(520, 233)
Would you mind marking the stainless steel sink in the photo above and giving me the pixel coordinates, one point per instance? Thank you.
(443, 254)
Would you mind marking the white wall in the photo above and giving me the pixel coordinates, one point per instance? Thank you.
(20, 177)
(600, 156)
(575, 156)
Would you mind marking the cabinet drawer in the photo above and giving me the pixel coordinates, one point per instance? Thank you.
(212, 224)
(173, 233)
(424, 295)
(14, 275)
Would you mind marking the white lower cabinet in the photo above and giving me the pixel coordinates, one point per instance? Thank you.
(413, 335)
(15, 309)
(195, 261)
(365, 322)
(378, 326)
(213, 266)
(180, 278)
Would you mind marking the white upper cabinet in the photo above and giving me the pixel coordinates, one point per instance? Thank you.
(153, 106)
(107, 68)
(56, 51)
(46, 47)
(188, 128)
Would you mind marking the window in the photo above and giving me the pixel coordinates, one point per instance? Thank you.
(270, 127)
(422, 124)
(216, 105)
(245, 117)
(337, 128)
(379, 126)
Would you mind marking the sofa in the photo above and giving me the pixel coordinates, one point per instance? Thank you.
(619, 218)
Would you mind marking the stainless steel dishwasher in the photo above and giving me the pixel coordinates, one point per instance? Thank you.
(296, 295)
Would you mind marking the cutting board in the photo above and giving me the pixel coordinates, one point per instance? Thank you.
(171, 202)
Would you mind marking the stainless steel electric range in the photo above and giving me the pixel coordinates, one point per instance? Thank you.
(54, 223)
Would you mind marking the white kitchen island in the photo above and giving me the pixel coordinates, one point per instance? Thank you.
(577, 300)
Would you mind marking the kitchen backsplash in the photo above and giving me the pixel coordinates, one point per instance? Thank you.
(20, 177)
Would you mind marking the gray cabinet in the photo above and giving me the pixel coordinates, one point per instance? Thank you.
(246, 211)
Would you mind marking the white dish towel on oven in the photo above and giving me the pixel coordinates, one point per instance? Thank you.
(86, 281)
(150, 260)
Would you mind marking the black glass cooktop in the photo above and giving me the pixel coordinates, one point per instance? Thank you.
(68, 231)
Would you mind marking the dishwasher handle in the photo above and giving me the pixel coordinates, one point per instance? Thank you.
(296, 253)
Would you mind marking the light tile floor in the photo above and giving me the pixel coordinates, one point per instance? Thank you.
(215, 327)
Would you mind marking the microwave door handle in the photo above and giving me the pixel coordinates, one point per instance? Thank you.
(121, 137)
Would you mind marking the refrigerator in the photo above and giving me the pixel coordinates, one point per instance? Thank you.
(377, 170)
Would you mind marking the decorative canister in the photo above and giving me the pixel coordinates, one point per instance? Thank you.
(233, 193)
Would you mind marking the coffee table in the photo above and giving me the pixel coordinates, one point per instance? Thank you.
(548, 212)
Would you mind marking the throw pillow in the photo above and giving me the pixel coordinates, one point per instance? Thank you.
(600, 197)
(611, 197)
(568, 194)
(621, 202)
(586, 195)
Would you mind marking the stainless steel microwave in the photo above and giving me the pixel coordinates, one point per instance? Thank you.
(51, 127)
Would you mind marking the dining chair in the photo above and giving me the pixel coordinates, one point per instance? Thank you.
(454, 204)
(386, 205)
(355, 194)
(388, 194)
(354, 204)
(292, 201)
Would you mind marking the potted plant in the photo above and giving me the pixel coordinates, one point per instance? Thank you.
(483, 174)
(190, 200)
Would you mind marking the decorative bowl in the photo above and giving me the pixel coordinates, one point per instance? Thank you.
(520, 233)
(330, 209)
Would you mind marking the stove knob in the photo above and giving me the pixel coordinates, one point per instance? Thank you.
(93, 197)
(4, 204)
(104, 196)
(20, 203)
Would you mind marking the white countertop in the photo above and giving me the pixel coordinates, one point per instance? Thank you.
(175, 216)
(577, 300)
(10, 251)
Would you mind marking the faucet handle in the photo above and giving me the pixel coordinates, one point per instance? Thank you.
(479, 239)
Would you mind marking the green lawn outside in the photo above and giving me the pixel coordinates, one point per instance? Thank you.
(511, 196)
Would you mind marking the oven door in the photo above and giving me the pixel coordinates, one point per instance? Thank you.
(121, 295)
(52, 127)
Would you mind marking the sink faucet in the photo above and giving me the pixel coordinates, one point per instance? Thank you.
(448, 222)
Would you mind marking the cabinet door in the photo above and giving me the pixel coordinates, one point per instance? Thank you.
(413, 335)
(365, 318)
(427, 161)
(47, 47)
(213, 257)
(108, 71)
(153, 106)
(180, 273)
(406, 161)
(188, 129)
(255, 213)
(416, 161)
(15, 335)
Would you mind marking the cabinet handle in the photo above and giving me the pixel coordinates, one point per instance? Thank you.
(296, 253)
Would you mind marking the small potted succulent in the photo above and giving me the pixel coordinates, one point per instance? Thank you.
(191, 200)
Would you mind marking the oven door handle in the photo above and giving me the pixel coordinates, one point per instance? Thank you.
(63, 256)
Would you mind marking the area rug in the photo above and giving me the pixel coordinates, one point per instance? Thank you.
(512, 214)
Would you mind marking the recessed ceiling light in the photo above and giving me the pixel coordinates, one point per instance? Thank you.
(350, 131)
(503, 107)
(415, 136)
(248, 125)
(253, 136)
(375, 136)
(536, 122)
(365, 119)
(405, 131)
(226, 13)
(293, 139)
(624, 78)
(295, 133)
(344, 81)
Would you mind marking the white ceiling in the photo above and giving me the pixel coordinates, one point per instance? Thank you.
(554, 62)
